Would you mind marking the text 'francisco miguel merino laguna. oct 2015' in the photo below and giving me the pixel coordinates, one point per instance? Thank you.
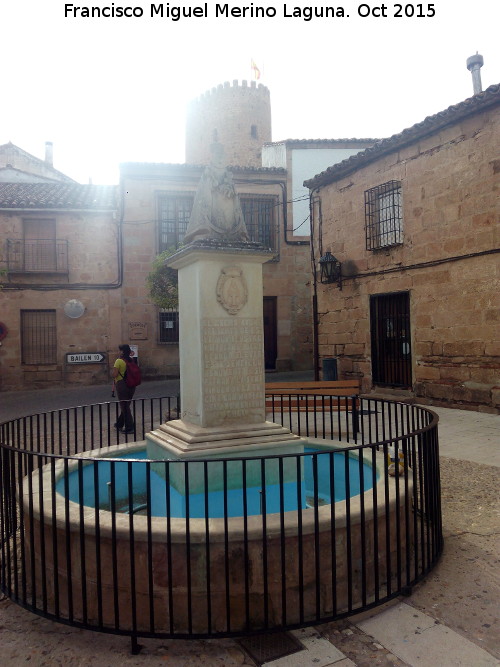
(251, 11)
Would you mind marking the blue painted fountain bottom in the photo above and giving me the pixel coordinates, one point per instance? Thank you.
(93, 484)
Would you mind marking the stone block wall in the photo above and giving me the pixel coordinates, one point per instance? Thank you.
(448, 262)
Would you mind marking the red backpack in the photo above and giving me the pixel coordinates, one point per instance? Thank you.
(132, 374)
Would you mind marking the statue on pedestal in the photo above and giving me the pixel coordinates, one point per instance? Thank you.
(216, 210)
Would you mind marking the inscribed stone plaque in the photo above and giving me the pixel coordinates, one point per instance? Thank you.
(233, 367)
(137, 331)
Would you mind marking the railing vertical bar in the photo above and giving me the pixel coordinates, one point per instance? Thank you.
(43, 561)
(67, 452)
(333, 532)
(83, 560)
(67, 526)
(422, 502)
(92, 425)
(133, 592)
(208, 565)
(98, 563)
(282, 540)
(8, 510)
(150, 548)
(114, 543)
(245, 544)
(348, 530)
(388, 568)
(227, 574)
(22, 527)
(300, 537)
(4, 528)
(76, 439)
(317, 554)
(168, 512)
(30, 472)
(363, 525)
(376, 555)
(265, 573)
(60, 432)
(55, 557)
(397, 447)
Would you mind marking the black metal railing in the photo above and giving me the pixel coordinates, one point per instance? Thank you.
(218, 547)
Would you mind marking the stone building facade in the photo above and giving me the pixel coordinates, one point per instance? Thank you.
(414, 221)
(60, 296)
(157, 201)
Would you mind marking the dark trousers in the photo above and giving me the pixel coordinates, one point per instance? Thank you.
(125, 395)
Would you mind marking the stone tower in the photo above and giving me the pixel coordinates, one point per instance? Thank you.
(237, 116)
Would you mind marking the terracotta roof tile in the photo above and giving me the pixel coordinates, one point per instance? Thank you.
(431, 124)
(58, 196)
(172, 167)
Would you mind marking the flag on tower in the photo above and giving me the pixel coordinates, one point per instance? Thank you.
(256, 70)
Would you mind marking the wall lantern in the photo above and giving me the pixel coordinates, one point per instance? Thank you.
(330, 269)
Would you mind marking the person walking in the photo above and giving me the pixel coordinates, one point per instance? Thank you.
(125, 422)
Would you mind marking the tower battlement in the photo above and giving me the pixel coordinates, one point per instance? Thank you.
(235, 84)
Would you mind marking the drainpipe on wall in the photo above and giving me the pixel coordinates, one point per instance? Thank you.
(315, 290)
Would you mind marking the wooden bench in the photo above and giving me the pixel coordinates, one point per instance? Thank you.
(298, 396)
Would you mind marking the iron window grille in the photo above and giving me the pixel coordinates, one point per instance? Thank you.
(38, 337)
(259, 213)
(384, 215)
(169, 326)
(174, 211)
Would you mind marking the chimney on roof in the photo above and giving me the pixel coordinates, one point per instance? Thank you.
(49, 153)
(474, 64)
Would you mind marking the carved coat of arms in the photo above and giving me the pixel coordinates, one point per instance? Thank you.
(232, 290)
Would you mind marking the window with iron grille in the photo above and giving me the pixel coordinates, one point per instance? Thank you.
(38, 337)
(384, 215)
(259, 213)
(169, 326)
(39, 251)
(174, 211)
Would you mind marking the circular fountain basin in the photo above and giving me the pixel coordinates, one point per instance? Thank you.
(81, 487)
(208, 575)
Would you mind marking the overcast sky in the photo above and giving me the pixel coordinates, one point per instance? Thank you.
(111, 90)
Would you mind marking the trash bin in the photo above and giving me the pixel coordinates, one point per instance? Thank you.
(330, 369)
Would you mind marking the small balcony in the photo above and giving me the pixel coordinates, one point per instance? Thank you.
(37, 256)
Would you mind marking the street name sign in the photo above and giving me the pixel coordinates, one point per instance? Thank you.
(85, 357)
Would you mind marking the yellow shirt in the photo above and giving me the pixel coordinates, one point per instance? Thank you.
(122, 367)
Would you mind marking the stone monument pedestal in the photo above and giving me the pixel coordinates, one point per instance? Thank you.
(221, 357)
